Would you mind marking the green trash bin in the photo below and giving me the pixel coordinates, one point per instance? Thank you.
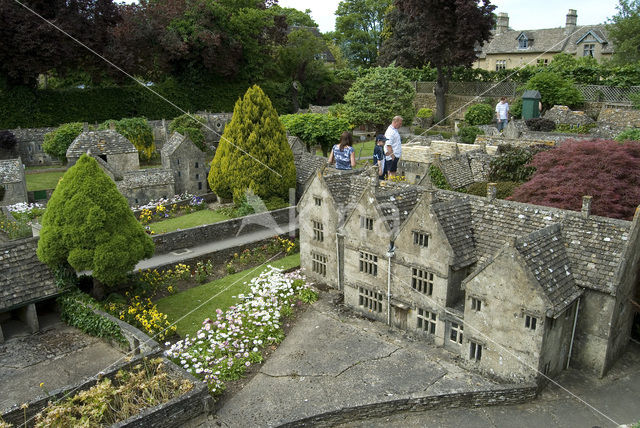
(530, 104)
(40, 195)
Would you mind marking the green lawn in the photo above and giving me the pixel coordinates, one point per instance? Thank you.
(43, 180)
(367, 149)
(188, 220)
(181, 304)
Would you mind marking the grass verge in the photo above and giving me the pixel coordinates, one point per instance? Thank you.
(180, 304)
(366, 147)
(186, 221)
(43, 180)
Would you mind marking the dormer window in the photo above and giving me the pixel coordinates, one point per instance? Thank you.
(523, 42)
(588, 49)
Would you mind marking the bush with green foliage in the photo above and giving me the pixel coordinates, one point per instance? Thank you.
(629, 134)
(88, 225)
(191, 126)
(504, 189)
(138, 131)
(437, 178)
(253, 153)
(377, 97)
(424, 113)
(316, 128)
(479, 114)
(512, 164)
(58, 141)
(555, 90)
(540, 124)
(8, 141)
(468, 134)
(515, 109)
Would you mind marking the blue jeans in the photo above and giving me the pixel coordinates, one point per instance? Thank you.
(502, 123)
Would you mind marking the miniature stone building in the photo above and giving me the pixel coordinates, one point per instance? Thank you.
(24, 281)
(142, 186)
(12, 178)
(519, 291)
(188, 164)
(108, 145)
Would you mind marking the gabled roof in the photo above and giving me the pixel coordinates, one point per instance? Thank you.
(457, 171)
(595, 33)
(396, 202)
(306, 165)
(341, 186)
(23, 278)
(116, 175)
(147, 177)
(455, 218)
(107, 142)
(11, 171)
(545, 256)
(175, 141)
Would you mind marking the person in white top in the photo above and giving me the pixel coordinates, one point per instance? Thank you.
(502, 113)
(393, 147)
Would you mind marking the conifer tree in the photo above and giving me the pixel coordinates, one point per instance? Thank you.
(89, 225)
(253, 152)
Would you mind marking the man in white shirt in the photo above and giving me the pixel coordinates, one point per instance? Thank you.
(502, 113)
(392, 148)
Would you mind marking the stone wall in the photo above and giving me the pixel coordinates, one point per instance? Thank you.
(564, 115)
(172, 241)
(498, 396)
(620, 118)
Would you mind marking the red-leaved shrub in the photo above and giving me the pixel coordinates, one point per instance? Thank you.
(607, 170)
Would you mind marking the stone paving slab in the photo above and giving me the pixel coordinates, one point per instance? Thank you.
(57, 355)
(333, 359)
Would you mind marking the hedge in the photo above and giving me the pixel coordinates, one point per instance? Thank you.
(27, 108)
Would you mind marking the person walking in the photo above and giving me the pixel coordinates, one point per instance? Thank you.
(502, 113)
(343, 154)
(378, 155)
(393, 147)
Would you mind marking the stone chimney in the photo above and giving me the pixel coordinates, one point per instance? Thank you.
(112, 125)
(572, 21)
(85, 127)
(492, 189)
(502, 23)
(586, 206)
(436, 159)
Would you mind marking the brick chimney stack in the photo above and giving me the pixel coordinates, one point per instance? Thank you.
(572, 21)
(502, 23)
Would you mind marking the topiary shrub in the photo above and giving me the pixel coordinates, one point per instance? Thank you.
(468, 134)
(479, 114)
(540, 124)
(630, 134)
(253, 153)
(58, 141)
(191, 126)
(138, 131)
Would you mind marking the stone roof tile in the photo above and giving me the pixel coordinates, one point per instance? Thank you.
(11, 171)
(455, 218)
(106, 142)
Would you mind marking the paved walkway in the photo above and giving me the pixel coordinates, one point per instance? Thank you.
(57, 355)
(208, 248)
(617, 396)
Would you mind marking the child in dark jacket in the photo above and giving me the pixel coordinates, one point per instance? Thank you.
(378, 155)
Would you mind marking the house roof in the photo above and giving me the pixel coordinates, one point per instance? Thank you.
(396, 202)
(116, 175)
(147, 177)
(457, 171)
(23, 278)
(306, 165)
(553, 40)
(11, 171)
(455, 218)
(106, 142)
(174, 142)
(545, 255)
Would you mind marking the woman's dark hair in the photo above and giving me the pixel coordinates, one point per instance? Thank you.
(346, 140)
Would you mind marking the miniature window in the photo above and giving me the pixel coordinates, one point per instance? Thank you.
(178, 161)
(179, 174)
(476, 304)
(543, 62)
(501, 64)
(197, 176)
(422, 281)
(475, 351)
(317, 201)
(427, 321)
(366, 222)
(370, 300)
(456, 333)
(318, 231)
(421, 239)
(588, 50)
(196, 164)
(523, 43)
(319, 263)
(199, 185)
(368, 263)
(530, 322)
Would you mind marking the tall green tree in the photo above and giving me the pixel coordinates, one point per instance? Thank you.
(253, 153)
(624, 30)
(89, 226)
(359, 26)
(316, 128)
(442, 33)
(377, 97)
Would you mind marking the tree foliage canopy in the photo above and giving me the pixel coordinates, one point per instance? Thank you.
(624, 30)
(138, 131)
(380, 95)
(57, 142)
(316, 128)
(608, 171)
(253, 153)
(89, 225)
(555, 90)
(191, 126)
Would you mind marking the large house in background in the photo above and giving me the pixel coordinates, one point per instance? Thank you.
(519, 291)
(510, 48)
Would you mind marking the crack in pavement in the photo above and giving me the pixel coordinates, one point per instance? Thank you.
(436, 380)
(293, 375)
(370, 360)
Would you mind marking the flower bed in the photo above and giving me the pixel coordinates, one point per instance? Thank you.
(249, 257)
(226, 346)
(168, 208)
(20, 225)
